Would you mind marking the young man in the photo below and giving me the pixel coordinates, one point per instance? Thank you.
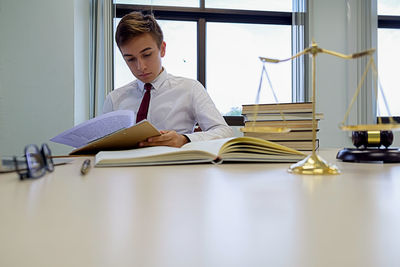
(176, 104)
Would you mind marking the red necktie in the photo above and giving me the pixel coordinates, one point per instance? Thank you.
(144, 106)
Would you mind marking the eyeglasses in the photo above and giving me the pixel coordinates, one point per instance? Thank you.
(36, 162)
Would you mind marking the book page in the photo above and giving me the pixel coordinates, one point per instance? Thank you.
(210, 146)
(250, 147)
(144, 152)
(154, 155)
(95, 128)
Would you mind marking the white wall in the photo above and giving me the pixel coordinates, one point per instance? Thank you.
(37, 72)
(81, 60)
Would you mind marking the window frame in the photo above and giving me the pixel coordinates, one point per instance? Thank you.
(202, 15)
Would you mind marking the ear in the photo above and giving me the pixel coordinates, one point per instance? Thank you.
(162, 49)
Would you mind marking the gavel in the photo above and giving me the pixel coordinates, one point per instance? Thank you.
(372, 138)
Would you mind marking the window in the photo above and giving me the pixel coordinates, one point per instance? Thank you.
(235, 48)
(264, 5)
(180, 57)
(222, 43)
(389, 56)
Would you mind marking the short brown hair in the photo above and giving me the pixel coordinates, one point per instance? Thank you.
(135, 24)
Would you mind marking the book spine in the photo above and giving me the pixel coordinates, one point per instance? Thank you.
(278, 107)
(300, 145)
(292, 135)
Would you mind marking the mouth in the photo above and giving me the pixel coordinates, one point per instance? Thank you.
(144, 75)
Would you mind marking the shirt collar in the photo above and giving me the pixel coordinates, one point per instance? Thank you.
(157, 82)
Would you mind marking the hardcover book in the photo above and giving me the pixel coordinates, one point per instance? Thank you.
(295, 125)
(278, 117)
(299, 144)
(292, 135)
(277, 108)
(239, 149)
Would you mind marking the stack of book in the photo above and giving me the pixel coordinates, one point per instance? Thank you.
(295, 116)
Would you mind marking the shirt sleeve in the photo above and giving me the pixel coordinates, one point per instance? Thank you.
(108, 105)
(208, 117)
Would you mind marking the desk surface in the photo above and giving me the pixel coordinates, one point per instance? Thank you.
(202, 215)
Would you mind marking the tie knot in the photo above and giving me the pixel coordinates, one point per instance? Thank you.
(147, 86)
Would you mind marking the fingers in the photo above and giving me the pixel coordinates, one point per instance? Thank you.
(167, 138)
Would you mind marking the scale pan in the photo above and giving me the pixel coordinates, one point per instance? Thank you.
(371, 127)
(265, 129)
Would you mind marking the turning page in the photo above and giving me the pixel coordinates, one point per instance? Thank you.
(95, 128)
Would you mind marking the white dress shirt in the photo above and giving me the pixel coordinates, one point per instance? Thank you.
(176, 103)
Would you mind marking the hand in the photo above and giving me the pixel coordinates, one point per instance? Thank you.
(167, 138)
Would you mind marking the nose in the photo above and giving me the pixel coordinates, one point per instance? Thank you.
(141, 65)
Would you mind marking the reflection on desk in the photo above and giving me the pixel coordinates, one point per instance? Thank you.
(202, 215)
(7, 164)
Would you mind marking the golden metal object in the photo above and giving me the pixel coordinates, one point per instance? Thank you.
(392, 125)
(264, 129)
(371, 127)
(267, 129)
(374, 137)
(314, 165)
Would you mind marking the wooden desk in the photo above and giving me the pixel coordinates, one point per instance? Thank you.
(202, 215)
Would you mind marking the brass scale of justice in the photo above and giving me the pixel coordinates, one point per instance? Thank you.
(363, 135)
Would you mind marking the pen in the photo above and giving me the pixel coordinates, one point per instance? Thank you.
(85, 166)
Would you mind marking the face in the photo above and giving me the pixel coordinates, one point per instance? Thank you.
(143, 57)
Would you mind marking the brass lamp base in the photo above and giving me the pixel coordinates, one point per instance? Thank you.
(313, 165)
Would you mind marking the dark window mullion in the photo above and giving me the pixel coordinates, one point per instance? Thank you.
(210, 14)
(391, 22)
(201, 51)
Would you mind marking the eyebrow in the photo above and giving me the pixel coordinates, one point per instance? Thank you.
(144, 50)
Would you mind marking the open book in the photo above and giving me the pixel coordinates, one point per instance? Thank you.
(111, 131)
(242, 149)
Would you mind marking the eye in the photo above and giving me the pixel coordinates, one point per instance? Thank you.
(131, 59)
(147, 55)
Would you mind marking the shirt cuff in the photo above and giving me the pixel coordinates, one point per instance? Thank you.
(187, 138)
